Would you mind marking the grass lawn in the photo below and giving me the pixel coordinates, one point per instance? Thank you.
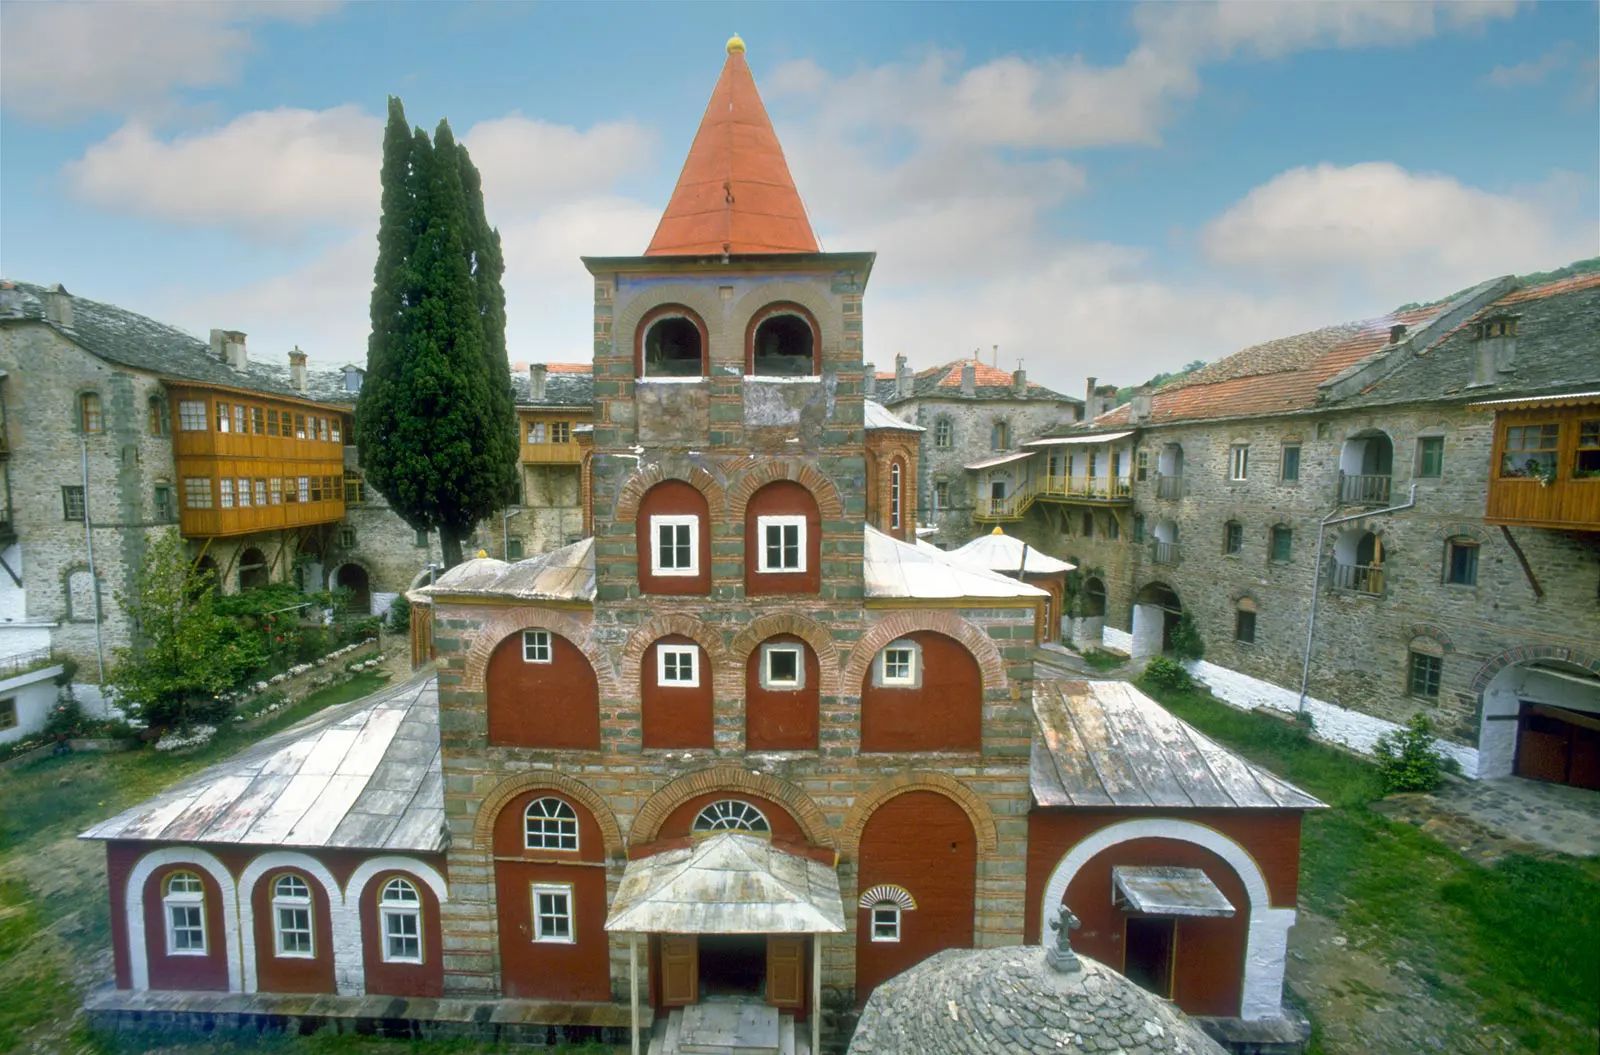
(54, 916)
(1102, 660)
(1513, 944)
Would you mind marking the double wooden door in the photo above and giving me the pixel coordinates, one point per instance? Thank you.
(785, 977)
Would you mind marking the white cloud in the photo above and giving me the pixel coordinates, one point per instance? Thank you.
(527, 162)
(1534, 71)
(60, 61)
(1388, 228)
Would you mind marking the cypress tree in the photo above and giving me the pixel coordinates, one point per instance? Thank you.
(434, 417)
(488, 268)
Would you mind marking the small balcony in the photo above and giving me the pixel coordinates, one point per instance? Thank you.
(1169, 486)
(1094, 489)
(1364, 489)
(568, 453)
(1358, 578)
(1164, 552)
(1011, 507)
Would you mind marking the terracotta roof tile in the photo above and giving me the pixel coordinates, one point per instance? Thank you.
(735, 194)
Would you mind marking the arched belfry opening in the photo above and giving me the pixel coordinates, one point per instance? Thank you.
(673, 347)
(784, 345)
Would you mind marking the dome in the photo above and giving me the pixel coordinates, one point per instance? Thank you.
(1008, 1000)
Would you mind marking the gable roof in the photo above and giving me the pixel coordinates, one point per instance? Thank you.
(735, 194)
(902, 570)
(565, 574)
(944, 382)
(876, 416)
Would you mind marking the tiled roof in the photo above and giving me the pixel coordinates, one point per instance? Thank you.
(944, 382)
(735, 194)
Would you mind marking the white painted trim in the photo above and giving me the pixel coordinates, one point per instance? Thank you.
(347, 969)
(571, 915)
(762, 524)
(692, 651)
(1268, 938)
(675, 520)
(133, 911)
(355, 890)
(549, 645)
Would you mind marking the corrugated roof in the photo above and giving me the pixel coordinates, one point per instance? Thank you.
(1001, 553)
(877, 416)
(1552, 400)
(362, 776)
(1105, 743)
(735, 194)
(566, 574)
(895, 569)
(727, 883)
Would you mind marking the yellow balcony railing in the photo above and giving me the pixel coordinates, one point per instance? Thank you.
(1093, 488)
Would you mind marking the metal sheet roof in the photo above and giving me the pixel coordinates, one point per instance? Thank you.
(877, 416)
(895, 569)
(1165, 891)
(727, 883)
(1062, 441)
(1105, 743)
(364, 775)
(1552, 400)
(566, 574)
(999, 459)
(999, 552)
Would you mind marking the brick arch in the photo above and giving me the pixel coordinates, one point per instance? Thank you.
(1527, 653)
(731, 778)
(971, 804)
(626, 508)
(901, 623)
(511, 787)
(764, 471)
(824, 313)
(650, 631)
(702, 300)
(806, 629)
(1436, 633)
(508, 621)
(1476, 532)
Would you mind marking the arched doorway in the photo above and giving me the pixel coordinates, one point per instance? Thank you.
(1366, 467)
(1541, 721)
(1358, 562)
(1155, 615)
(254, 571)
(352, 579)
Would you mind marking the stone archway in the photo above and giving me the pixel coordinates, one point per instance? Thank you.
(352, 579)
(1156, 608)
(1520, 692)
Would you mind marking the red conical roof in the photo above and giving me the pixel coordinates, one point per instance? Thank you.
(735, 194)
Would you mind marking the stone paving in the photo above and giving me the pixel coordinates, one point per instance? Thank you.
(1487, 819)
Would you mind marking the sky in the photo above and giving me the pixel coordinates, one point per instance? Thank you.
(1095, 188)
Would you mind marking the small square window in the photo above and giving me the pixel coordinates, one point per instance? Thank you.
(677, 666)
(552, 913)
(1430, 457)
(675, 545)
(1424, 677)
(941, 495)
(783, 544)
(347, 536)
(513, 549)
(1290, 465)
(73, 506)
(1244, 626)
(536, 646)
(420, 540)
(781, 667)
(8, 714)
(1461, 563)
(886, 922)
(898, 665)
(1239, 461)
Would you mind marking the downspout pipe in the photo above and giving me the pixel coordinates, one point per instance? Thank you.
(1316, 581)
(94, 580)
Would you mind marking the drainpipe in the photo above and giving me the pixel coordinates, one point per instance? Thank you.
(1316, 581)
(505, 534)
(94, 580)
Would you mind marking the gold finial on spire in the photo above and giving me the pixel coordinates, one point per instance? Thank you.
(482, 553)
(997, 530)
(735, 43)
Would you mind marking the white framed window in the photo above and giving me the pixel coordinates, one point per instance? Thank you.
(291, 918)
(1239, 461)
(678, 666)
(185, 905)
(730, 815)
(675, 545)
(783, 543)
(782, 667)
(304, 488)
(244, 492)
(550, 824)
(894, 495)
(226, 490)
(552, 913)
(886, 921)
(899, 664)
(536, 646)
(401, 910)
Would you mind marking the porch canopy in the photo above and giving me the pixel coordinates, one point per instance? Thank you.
(727, 883)
(1163, 891)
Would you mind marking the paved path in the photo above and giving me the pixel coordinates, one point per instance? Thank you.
(1486, 819)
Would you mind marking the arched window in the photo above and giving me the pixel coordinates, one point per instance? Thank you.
(185, 903)
(1358, 562)
(730, 815)
(782, 342)
(90, 417)
(674, 542)
(400, 908)
(550, 824)
(886, 902)
(672, 344)
(291, 917)
(943, 434)
(1000, 435)
(894, 496)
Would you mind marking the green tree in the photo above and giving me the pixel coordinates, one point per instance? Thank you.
(184, 653)
(1186, 641)
(435, 423)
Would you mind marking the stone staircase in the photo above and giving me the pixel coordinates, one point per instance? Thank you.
(728, 1028)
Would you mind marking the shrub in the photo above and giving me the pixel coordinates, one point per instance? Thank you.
(1167, 675)
(65, 718)
(1186, 642)
(1407, 760)
(400, 614)
(69, 670)
(312, 643)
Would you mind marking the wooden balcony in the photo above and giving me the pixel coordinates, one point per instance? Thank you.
(552, 454)
(1358, 578)
(1095, 490)
(1370, 490)
(1012, 507)
(1545, 471)
(1163, 552)
(219, 523)
(1169, 486)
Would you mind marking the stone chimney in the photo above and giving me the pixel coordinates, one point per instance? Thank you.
(536, 378)
(869, 380)
(228, 346)
(1019, 384)
(1397, 333)
(902, 378)
(299, 380)
(969, 378)
(58, 306)
(1139, 407)
(1090, 410)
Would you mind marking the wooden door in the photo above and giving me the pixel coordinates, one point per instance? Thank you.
(786, 971)
(680, 969)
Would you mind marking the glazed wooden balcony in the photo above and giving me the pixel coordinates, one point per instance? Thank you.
(1556, 486)
(568, 453)
(218, 523)
(1092, 489)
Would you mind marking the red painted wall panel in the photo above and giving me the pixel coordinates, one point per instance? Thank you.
(782, 498)
(288, 974)
(923, 842)
(548, 705)
(401, 979)
(675, 717)
(778, 719)
(943, 713)
(185, 972)
(533, 970)
(674, 498)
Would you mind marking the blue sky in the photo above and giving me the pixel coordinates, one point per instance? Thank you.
(1103, 189)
